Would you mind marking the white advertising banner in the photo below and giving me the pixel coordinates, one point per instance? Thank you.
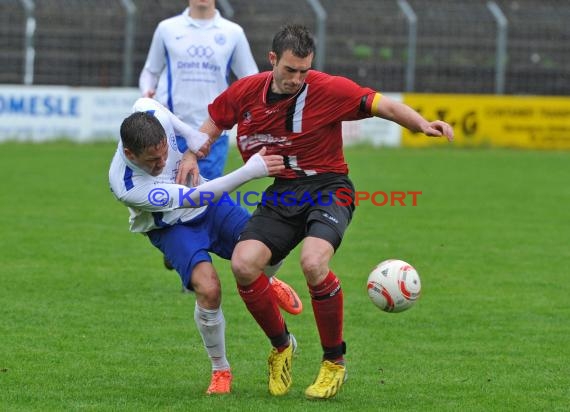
(38, 113)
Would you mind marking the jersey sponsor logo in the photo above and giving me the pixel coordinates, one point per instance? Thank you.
(247, 117)
(187, 65)
(210, 67)
(200, 51)
(256, 140)
(202, 60)
(181, 65)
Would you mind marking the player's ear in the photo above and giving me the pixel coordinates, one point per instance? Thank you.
(272, 58)
(128, 154)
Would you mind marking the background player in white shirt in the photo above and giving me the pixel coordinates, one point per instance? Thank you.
(142, 176)
(189, 64)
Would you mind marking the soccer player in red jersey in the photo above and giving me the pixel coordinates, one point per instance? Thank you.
(298, 113)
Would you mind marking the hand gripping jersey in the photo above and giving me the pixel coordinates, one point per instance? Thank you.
(306, 128)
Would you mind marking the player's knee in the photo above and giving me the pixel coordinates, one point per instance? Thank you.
(248, 261)
(209, 296)
(243, 269)
(314, 266)
(206, 285)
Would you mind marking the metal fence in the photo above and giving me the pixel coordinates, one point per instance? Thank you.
(443, 46)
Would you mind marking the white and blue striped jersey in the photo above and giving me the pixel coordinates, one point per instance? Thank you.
(153, 201)
(194, 60)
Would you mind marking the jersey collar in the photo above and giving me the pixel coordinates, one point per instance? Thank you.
(215, 21)
(267, 85)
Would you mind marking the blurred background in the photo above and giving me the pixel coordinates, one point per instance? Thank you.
(512, 47)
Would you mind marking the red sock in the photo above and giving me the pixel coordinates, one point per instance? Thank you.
(327, 301)
(262, 304)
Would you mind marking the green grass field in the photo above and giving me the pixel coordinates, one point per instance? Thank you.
(90, 320)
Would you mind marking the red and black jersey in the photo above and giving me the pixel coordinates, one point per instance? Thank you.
(306, 127)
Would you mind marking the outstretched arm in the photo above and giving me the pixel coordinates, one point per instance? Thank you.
(259, 165)
(161, 197)
(407, 117)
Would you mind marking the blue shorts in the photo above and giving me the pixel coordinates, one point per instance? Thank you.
(212, 166)
(186, 244)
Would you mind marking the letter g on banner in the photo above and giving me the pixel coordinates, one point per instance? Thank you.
(158, 197)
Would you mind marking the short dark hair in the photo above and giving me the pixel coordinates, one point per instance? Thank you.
(141, 130)
(294, 37)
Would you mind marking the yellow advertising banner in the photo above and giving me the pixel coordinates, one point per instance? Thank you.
(530, 122)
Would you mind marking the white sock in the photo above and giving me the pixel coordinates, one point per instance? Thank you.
(212, 327)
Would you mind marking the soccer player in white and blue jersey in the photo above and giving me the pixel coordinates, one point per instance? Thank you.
(175, 217)
(189, 64)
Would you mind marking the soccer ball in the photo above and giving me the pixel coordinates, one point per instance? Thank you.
(394, 285)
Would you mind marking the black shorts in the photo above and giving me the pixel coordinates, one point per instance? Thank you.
(292, 209)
